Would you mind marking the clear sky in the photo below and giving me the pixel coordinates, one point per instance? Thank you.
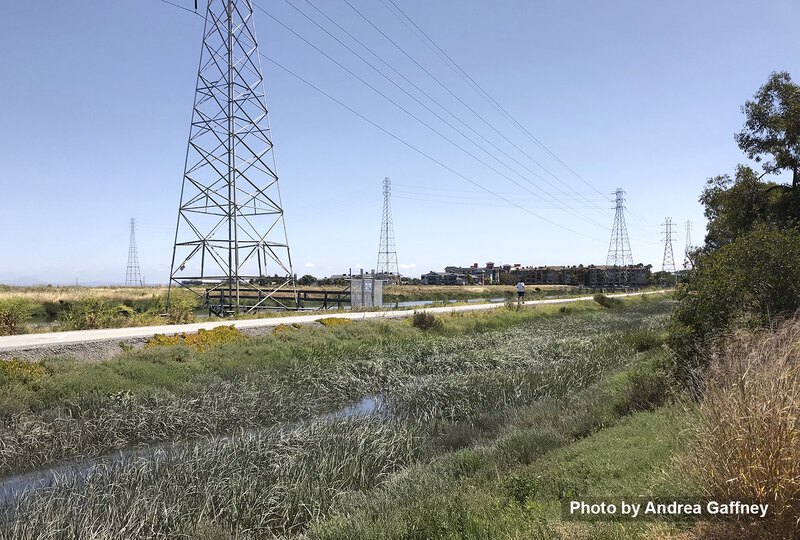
(646, 96)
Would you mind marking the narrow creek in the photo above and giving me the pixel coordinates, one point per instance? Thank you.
(15, 486)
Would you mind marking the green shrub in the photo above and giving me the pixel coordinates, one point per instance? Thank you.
(607, 301)
(13, 314)
(53, 309)
(644, 340)
(91, 313)
(646, 389)
(182, 304)
(746, 283)
(425, 321)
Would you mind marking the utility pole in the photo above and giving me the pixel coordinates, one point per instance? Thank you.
(387, 252)
(231, 246)
(687, 262)
(133, 276)
(619, 248)
(668, 264)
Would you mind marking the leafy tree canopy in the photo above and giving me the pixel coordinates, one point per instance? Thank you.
(744, 283)
(307, 279)
(771, 132)
(735, 206)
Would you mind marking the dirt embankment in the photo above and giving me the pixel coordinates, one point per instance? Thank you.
(95, 350)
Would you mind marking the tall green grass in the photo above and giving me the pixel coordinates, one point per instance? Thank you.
(257, 383)
(251, 486)
(447, 388)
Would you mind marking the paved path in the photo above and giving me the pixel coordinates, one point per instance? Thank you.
(48, 339)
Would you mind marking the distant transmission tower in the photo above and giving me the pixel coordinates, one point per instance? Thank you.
(387, 253)
(668, 235)
(231, 245)
(687, 262)
(619, 248)
(133, 277)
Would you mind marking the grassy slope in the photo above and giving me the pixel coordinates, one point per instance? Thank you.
(75, 308)
(487, 481)
(513, 488)
(57, 379)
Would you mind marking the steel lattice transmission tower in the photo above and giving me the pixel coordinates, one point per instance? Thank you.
(133, 276)
(230, 241)
(668, 265)
(619, 248)
(387, 252)
(687, 262)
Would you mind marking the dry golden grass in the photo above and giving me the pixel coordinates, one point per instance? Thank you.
(72, 293)
(748, 426)
(477, 289)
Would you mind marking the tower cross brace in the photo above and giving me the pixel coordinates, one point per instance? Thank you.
(387, 252)
(231, 246)
(668, 264)
(133, 275)
(619, 247)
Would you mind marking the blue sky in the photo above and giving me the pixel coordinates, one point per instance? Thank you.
(645, 96)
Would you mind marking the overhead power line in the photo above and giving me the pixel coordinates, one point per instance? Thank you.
(403, 141)
(422, 152)
(471, 109)
(431, 98)
(565, 207)
(431, 44)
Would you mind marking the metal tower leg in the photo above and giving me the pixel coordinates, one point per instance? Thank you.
(231, 232)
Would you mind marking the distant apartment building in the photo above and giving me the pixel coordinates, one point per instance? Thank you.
(587, 276)
(592, 276)
(487, 275)
(443, 278)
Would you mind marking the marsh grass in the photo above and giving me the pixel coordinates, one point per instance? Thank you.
(510, 484)
(524, 379)
(62, 409)
(273, 482)
(41, 294)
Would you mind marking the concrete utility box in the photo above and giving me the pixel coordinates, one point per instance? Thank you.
(366, 291)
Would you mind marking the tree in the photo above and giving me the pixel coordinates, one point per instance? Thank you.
(748, 282)
(772, 128)
(747, 274)
(307, 279)
(734, 206)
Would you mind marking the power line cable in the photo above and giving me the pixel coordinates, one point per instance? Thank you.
(471, 196)
(448, 90)
(422, 152)
(431, 98)
(483, 93)
(407, 144)
(182, 7)
(427, 125)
